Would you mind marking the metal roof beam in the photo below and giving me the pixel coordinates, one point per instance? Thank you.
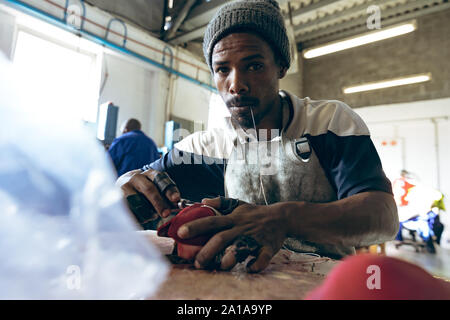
(362, 21)
(200, 15)
(188, 36)
(339, 15)
(179, 19)
(315, 6)
(386, 23)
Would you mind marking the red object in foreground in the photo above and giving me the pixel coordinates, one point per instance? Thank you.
(187, 248)
(372, 277)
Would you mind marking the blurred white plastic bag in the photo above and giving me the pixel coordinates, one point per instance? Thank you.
(65, 232)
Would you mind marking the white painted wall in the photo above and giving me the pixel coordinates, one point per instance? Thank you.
(420, 149)
(191, 101)
(134, 88)
(141, 91)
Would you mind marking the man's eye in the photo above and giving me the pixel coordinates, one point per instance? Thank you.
(221, 70)
(255, 66)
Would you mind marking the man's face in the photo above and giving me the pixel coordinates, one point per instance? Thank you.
(246, 75)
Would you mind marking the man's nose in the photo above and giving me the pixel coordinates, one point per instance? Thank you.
(238, 84)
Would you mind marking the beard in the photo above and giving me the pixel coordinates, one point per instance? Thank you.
(244, 118)
(241, 109)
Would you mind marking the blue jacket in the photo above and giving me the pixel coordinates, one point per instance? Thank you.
(132, 150)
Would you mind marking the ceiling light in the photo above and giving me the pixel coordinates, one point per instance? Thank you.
(170, 4)
(360, 40)
(168, 23)
(389, 83)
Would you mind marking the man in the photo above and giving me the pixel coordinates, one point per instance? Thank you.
(306, 172)
(133, 149)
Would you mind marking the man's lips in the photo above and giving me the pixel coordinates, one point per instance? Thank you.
(241, 109)
(242, 104)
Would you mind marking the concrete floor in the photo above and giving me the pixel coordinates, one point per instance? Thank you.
(437, 264)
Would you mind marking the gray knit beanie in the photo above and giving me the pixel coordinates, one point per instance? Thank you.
(260, 16)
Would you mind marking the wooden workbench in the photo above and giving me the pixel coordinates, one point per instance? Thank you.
(289, 276)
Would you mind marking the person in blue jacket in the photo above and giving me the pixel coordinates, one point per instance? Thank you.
(133, 149)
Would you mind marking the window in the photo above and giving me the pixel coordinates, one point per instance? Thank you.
(62, 75)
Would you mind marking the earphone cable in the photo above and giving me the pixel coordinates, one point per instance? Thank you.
(261, 186)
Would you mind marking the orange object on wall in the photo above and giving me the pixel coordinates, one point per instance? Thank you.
(401, 187)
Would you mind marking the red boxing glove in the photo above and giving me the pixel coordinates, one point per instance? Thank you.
(373, 277)
(187, 248)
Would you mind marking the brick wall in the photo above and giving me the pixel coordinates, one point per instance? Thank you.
(427, 49)
(293, 82)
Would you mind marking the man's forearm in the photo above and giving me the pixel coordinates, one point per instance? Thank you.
(360, 220)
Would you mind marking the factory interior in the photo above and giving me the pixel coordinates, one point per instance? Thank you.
(120, 170)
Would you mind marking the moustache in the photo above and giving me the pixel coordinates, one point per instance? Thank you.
(242, 101)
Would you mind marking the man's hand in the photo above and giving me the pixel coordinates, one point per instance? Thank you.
(142, 181)
(265, 224)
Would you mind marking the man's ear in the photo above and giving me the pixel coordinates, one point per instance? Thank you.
(282, 73)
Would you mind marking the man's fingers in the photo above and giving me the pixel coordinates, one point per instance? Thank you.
(128, 189)
(173, 194)
(262, 261)
(215, 245)
(142, 184)
(204, 225)
(124, 183)
(229, 258)
(214, 202)
(223, 204)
